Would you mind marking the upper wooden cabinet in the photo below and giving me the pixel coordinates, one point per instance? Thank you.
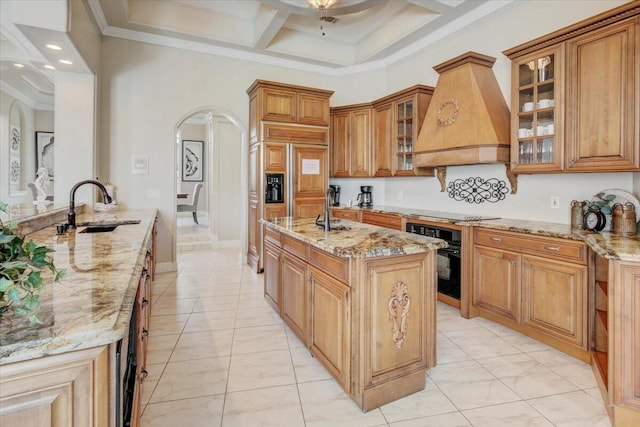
(397, 122)
(351, 141)
(603, 92)
(576, 97)
(377, 139)
(279, 102)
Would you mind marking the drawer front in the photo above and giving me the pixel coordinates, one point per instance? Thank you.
(561, 249)
(382, 220)
(332, 265)
(296, 247)
(346, 214)
(272, 236)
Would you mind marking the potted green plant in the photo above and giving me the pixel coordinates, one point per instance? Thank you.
(21, 267)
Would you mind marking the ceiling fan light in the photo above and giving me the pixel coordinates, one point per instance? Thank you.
(321, 4)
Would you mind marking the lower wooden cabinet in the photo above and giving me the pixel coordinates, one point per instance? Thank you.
(295, 295)
(350, 214)
(555, 298)
(330, 333)
(528, 283)
(272, 270)
(497, 282)
(64, 390)
(382, 220)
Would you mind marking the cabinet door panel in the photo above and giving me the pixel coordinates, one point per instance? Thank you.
(313, 109)
(383, 128)
(275, 157)
(603, 92)
(294, 295)
(555, 298)
(310, 171)
(340, 152)
(272, 276)
(308, 208)
(253, 234)
(361, 142)
(279, 105)
(497, 283)
(330, 332)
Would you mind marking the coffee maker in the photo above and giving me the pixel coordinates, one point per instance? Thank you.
(336, 194)
(364, 198)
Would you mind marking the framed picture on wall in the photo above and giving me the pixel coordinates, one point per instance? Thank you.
(192, 160)
(44, 151)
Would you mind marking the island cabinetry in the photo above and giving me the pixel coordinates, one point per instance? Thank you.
(382, 220)
(398, 119)
(351, 214)
(64, 390)
(351, 141)
(576, 97)
(370, 321)
(272, 272)
(536, 285)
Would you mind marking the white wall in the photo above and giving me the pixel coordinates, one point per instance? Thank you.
(226, 185)
(75, 136)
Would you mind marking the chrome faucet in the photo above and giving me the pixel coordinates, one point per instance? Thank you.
(71, 216)
(328, 200)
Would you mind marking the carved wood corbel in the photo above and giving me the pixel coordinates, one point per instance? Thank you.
(441, 174)
(513, 179)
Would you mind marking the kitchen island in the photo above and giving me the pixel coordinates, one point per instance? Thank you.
(68, 370)
(361, 298)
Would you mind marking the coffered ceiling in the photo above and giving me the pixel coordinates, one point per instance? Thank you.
(352, 36)
(354, 32)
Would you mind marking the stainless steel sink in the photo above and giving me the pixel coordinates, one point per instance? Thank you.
(105, 226)
(99, 229)
(106, 223)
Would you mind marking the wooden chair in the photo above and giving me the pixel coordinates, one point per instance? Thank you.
(193, 206)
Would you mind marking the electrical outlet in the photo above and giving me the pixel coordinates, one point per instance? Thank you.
(153, 194)
(399, 194)
(555, 202)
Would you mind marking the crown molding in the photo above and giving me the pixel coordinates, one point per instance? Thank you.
(24, 99)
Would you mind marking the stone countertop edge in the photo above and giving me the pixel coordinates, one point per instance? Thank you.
(357, 241)
(35, 341)
(606, 244)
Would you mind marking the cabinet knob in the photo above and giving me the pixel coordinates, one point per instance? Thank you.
(145, 333)
(513, 263)
(145, 302)
(143, 374)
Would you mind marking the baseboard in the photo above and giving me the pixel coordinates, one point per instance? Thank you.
(166, 267)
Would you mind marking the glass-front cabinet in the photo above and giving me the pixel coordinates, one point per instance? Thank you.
(405, 132)
(536, 117)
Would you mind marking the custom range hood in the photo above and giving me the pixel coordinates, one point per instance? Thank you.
(467, 121)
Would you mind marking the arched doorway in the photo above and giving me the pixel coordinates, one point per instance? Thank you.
(221, 209)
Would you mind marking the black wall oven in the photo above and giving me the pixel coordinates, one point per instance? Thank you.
(448, 260)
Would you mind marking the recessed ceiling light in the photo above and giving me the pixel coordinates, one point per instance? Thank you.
(49, 67)
(54, 47)
(65, 61)
(18, 65)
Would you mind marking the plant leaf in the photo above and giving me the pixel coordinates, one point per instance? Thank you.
(13, 295)
(36, 319)
(5, 284)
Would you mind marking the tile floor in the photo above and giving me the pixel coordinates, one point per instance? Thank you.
(219, 356)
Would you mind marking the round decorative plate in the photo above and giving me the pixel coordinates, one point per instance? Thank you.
(622, 197)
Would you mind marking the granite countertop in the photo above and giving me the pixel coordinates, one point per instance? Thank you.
(606, 244)
(91, 305)
(356, 239)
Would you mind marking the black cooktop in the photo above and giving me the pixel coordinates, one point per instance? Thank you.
(454, 216)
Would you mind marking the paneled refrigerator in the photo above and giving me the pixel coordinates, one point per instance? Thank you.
(291, 180)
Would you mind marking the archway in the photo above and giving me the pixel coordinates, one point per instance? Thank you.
(224, 189)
